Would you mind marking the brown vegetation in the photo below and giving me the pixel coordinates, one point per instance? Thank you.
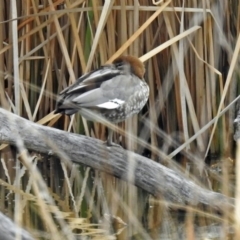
(191, 53)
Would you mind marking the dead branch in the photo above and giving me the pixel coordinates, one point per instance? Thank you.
(153, 177)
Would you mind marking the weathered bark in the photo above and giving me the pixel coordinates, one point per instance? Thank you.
(237, 122)
(213, 231)
(148, 175)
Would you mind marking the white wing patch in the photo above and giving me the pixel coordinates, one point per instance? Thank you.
(111, 104)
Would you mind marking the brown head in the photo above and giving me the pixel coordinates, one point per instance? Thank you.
(137, 66)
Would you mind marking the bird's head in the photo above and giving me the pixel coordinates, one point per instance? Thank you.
(133, 63)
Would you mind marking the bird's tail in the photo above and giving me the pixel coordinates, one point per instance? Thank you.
(63, 108)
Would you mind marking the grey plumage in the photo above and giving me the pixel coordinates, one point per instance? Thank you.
(115, 91)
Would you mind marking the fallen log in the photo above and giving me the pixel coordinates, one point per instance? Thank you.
(153, 177)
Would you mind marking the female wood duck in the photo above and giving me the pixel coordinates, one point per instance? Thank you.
(115, 92)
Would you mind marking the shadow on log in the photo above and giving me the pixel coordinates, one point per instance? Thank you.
(146, 174)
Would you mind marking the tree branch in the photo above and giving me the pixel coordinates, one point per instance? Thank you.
(147, 174)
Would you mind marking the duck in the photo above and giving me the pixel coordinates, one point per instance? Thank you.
(114, 92)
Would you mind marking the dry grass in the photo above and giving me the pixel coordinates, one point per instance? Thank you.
(191, 51)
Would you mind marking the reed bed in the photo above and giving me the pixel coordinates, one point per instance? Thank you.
(191, 53)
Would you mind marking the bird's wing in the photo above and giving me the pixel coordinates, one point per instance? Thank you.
(86, 83)
(91, 80)
(110, 94)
